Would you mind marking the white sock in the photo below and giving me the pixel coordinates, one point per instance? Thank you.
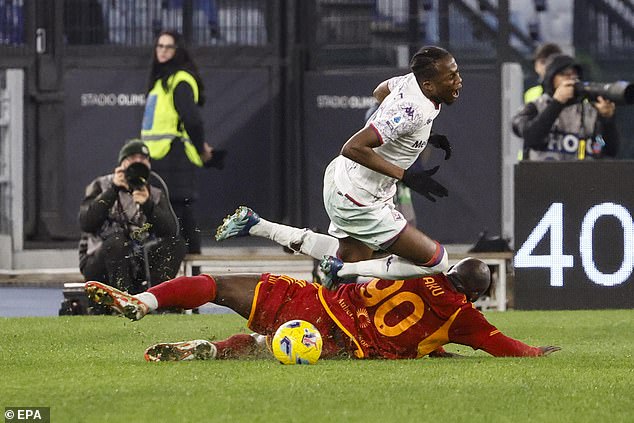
(392, 267)
(260, 340)
(148, 299)
(318, 245)
(310, 243)
(282, 234)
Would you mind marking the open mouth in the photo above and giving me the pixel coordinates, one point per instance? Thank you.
(455, 93)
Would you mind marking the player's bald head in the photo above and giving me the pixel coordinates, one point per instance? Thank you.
(471, 277)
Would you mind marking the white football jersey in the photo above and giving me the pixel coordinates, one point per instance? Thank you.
(403, 122)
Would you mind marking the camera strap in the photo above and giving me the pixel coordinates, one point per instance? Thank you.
(128, 222)
(581, 151)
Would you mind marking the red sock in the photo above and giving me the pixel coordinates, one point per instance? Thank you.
(185, 292)
(236, 346)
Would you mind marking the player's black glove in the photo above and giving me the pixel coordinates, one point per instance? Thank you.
(422, 182)
(441, 141)
(217, 159)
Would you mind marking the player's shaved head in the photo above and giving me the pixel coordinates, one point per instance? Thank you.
(471, 277)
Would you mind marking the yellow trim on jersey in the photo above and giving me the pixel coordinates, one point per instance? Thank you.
(254, 302)
(290, 280)
(438, 338)
(359, 352)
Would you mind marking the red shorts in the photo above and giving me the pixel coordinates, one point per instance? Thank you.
(278, 299)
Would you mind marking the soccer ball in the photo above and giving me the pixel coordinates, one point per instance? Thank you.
(297, 342)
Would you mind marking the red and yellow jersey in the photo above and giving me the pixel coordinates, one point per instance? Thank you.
(405, 318)
(382, 318)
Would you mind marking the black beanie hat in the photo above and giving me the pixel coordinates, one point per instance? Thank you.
(555, 64)
(131, 147)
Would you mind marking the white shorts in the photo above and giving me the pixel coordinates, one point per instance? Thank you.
(377, 224)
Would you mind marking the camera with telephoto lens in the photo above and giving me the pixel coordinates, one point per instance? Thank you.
(620, 92)
(137, 175)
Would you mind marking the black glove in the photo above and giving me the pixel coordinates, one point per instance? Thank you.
(441, 141)
(217, 159)
(422, 182)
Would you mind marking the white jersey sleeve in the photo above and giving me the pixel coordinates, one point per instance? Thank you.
(392, 82)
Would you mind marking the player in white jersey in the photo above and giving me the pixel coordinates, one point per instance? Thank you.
(360, 183)
(402, 126)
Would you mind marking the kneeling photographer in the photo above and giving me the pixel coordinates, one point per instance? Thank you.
(567, 122)
(130, 236)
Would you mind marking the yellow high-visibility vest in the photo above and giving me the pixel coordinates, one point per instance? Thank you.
(533, 93)
(161, 123)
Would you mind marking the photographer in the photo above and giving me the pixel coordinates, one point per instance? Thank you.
(129, 232)
(561, 124)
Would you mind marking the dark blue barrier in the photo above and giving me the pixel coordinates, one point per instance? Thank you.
(104, 107)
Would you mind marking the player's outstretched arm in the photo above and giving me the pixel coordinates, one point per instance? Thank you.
(500, 345)
(476, 332)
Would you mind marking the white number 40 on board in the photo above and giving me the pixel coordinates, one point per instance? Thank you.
(556, 261)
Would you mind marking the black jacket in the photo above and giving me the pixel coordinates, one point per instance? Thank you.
(106, 210)
(553, 131)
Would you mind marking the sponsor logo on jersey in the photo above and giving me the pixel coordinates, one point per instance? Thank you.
(394, 122)
(363, 317)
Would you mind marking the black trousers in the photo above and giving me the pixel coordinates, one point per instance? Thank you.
(122, 264)
(180, 176)
(190, 231)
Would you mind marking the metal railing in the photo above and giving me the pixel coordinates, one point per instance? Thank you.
(377, 29)
(602, 28)
(12, 22)
(210, 22)
(5, 180)
(11, 156)
(605, 28)
(136, 22)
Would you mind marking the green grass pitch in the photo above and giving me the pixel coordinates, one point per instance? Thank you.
(91, 369)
